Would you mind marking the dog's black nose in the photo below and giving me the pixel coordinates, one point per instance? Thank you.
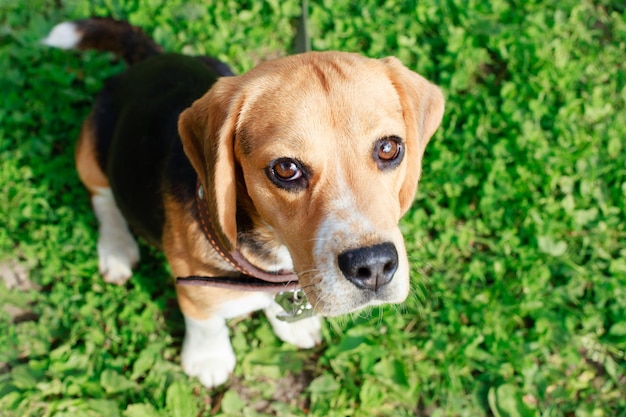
(371, 267)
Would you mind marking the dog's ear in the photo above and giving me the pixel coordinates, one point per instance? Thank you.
(422, 107)
(207, 131)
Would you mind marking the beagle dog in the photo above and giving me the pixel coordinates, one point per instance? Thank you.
(290, 179)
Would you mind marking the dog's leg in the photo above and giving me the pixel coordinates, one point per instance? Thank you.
(117, 250)
(207, 353)
(304, 333)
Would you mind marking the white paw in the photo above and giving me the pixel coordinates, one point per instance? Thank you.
(118, 252)
(304, 333)
(210, 369)
(207, 353)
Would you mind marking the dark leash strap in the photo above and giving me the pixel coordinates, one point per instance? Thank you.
(240, 283)
(251, 277)
(303, 40)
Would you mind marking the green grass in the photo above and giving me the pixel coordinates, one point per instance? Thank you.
(517, 236)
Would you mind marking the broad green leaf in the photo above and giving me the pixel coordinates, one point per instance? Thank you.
(618, 329)
(323, 383)
(104, 408)
(144, 362)
(10, 401)
(141, 410)
(552, 247)
(232, 403)
(113, 382)
(24, 377)
(179, 401)
(506, 401)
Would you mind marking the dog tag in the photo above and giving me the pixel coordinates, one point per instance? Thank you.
(295, 305)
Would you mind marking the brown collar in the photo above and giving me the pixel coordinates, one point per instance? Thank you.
(250, 278)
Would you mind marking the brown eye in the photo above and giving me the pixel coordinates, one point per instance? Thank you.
(388, 149)
(388, 152)
(287, 170)
(288, 174)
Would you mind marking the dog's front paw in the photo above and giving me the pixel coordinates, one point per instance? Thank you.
(117, 254)
(207, 353)
(211, 368)
(304, 333)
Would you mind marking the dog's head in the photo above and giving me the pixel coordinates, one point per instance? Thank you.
(327, 147)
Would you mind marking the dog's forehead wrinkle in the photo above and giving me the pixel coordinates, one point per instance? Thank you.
(341, 80)
(307, 120)
(329, 73)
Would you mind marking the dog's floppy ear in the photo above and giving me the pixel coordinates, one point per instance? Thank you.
(422, 107)
(207, 131)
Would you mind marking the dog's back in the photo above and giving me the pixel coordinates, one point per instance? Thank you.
(133, 125)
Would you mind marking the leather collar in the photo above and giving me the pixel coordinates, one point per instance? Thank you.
(250, 278)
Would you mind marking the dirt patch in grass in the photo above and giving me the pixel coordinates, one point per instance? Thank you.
(287, 390)
(15, 276)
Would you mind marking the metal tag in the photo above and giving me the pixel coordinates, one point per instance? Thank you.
(295, 305)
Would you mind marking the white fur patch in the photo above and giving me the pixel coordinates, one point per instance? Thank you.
(117, 250)
(248, 303)
(304, 333)
(207, 353)
(343, 224)
(64, 35)
(284, 259)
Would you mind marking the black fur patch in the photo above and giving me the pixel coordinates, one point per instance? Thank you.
(138, 146)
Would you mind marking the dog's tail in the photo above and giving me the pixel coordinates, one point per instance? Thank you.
(104, 34)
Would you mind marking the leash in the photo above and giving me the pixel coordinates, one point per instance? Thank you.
(303, 40)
